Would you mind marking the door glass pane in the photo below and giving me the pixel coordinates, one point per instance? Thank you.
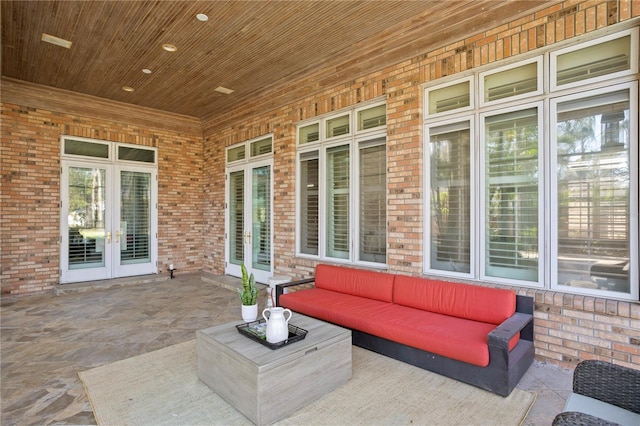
(373, 204)
(236, 217)
(134, 235)
(450, 186)
(338, 202)
(309, 203)
(593, 192)
(511, 203)
(86, 219)
(261, 207)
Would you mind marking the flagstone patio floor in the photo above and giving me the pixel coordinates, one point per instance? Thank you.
(47, 338)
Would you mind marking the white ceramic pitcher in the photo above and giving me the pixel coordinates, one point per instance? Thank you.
(277, 324)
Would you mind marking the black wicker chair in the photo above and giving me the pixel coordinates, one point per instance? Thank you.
(610, 383)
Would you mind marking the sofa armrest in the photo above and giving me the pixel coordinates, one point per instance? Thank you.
(610, 383)
(280, 287)
(502, 334)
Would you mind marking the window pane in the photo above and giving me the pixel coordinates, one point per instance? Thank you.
(309, 203)
(86, 219)
(135, 217)
(372, 117)
(593, 192)
(338, 202)
(338, 126)
(310, 133)
(263, 146)
(512, 82)
(511, 203)
(594, 61)
(450, 186)
(373, 204)
(449, 98)
(235, 154)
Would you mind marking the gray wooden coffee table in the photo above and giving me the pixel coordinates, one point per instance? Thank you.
(266, 385)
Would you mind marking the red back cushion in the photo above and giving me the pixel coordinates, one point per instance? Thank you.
(485, 304)
(358, 282)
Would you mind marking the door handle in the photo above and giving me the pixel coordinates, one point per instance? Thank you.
(117, 237)
(108, 237)
(247, 237)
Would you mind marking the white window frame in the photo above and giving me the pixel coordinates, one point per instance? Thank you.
(634, 274)
(473, 219)
(353, 140)
(482, 195)
(544, 99)
(509, 99)
(379, 140)
(633, 68)
(324, 136)
(300, 144)
(247, 151)
(472, 97)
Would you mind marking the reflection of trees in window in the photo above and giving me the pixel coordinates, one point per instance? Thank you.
(593, 184)
(86, 197)
(512, 194)
(450, 199)
(86, 211)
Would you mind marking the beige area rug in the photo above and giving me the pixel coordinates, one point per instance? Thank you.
(162, 388)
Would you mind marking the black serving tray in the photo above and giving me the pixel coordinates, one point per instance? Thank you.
(256, 330)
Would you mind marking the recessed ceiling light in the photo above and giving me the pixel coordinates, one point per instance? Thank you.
(169, 47)
(146, 71)
(128, 88)
(56, 40)
(223, 90)
(202, 17)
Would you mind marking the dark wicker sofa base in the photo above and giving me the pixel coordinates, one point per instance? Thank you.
(505, 368)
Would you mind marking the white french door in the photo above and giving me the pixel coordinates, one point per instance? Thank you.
(249, 219)
(108, 220)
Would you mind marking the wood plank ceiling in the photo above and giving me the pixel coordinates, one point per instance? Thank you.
(256, 48)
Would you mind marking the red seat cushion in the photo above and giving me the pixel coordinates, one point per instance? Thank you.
(457, 338)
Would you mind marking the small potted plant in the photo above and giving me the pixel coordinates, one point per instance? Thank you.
(248, 296)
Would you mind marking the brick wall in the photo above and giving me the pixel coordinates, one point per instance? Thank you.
(568, 327)
(30, 193)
